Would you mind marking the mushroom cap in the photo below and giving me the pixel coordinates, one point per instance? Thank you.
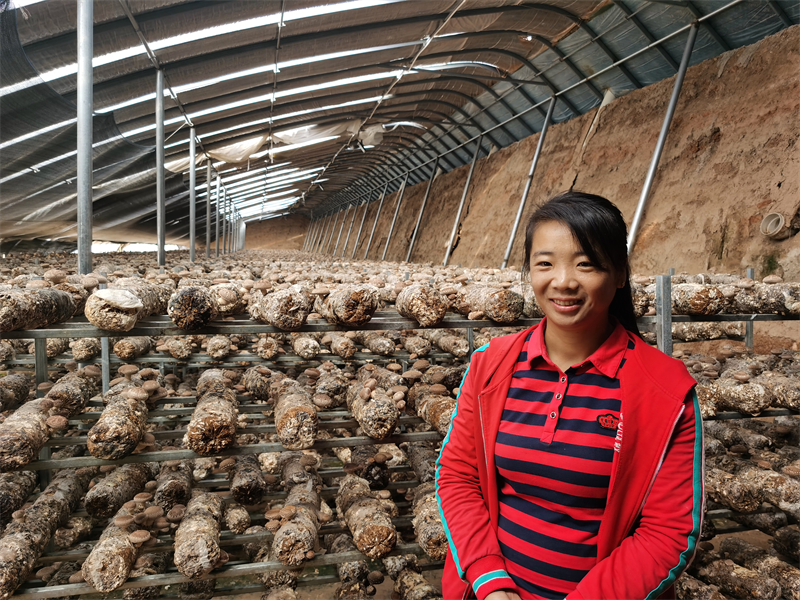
(127, 370)
(375, 577)
(421, 365)
(394, 367)
(55, 275)
(123, 521)
(154, 512)
(45, 386)
(273, 525)
(150, 386)
(412, 374)
(57, 422)
(91, 371)
(135, 393)
(76, 577)
(176, 513)
(438, 389)
(143, 497)
(139, 536)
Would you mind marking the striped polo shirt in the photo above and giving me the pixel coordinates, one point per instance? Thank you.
(554, 450)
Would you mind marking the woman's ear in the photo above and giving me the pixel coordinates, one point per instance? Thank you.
(622, 279)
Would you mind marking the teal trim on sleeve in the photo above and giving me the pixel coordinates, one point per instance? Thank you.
(697, 504)
(453, 551)
(487, 577)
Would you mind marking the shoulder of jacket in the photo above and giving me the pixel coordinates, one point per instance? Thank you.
(664, 372)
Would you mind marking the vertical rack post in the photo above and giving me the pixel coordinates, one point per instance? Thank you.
(664, 313)
(360, 227)
(463, 200)
(748, 326)
(208, 209)
(396, 211)
(528, 182)
(216, 221)
(161, 207)
(377, 215)
(422, 209)
(224, 219)
(105, 355)
(192, 199)
(85, 134)
(333, 230)
(322, 234)
(40, 359)
(341, 228)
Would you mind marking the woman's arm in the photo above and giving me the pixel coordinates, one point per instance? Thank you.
(663, 544)
(473, 542)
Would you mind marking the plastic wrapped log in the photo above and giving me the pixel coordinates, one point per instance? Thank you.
(218, 347)
(747, 398)
(436, 410)
(416, 345)
(192, 307)
(340, 345)
(708, 396)
(368, 517)
(763, 298)
(427, 522)
(409, 584)
(53, 347)
(213, 424)
(769, 520)
(197, 550)
(151, 563)
(351, 305)
(374, 341)
(757, 559)
(295, 416)
(333, 384)
(177, 347)
(689, 588)
(374, 409)
(26, 538)
(384, 377)
(117, 488)
(530, 307)
(421, 457)
(247, 483)
(447, 341)
(14, 390)
(198, 590)
(498, 304)
(449, 377)
(7, 352)
(154, 298)
(85, 349)
(113, 309)
(212, 380)
(423, 303)
(63, 575)
(23, 434)
(174, 484)
(72, 392)
(256, 381)
(262, 551)
(305, 346)
(79, 294)
(267, 348)
(786, 540)
(295, 541)
(356, 570)
(111, 560)
(696, 299)
(366, 462)
(285, 309)
(785, 391)
(120, 427)
(730, 434)
(230, 298)
(237, 519)
(14, 491)
(31, 309)
(736, 581)
(76, 529)
(731, 491)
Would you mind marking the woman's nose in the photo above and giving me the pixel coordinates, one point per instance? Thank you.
(564, 278)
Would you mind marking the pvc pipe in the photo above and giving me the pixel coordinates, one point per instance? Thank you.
(161, 202)
(377, 215)
(394, 218)
(422, 209)
(208, 209)
(192, 183)
(529, 181)
(463, 200)
(662, 137)
(85, 134)
(341, 228)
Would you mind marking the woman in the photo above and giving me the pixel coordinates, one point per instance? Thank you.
(541, 493)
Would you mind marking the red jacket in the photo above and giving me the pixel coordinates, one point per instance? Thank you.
(654, 510)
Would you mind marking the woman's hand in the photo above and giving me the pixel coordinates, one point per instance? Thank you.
(503, 595)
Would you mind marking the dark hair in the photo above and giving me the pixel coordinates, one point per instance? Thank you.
(600, 231)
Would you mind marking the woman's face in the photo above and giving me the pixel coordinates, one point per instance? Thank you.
(574, 293)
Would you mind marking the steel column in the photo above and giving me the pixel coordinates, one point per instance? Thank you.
(224, 220)
(463, 200)
(360, 227)
(208, 209)
(396, 211)
(333, 230)
(377, 215)
(350, 229)
(323, 232)
(528, 183)
(748, 326)
(161, 201)
(422, 209)
(315, 233)
(216, 221)
(341, 228)
(662, 137)
(85, 134)
(192, 198)
(664, 313)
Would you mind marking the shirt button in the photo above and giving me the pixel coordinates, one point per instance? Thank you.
(558, 396)
(552, 415)
(563, 379)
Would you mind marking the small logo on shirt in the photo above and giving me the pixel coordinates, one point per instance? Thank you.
(608, 421)
(618, 439)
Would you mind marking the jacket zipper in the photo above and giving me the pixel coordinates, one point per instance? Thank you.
(661, 460)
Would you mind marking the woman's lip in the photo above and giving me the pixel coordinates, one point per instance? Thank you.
(569, 309)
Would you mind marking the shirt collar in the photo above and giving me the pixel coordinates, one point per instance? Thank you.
(607, 358)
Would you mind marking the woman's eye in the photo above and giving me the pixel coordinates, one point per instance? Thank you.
(586, 264)
(542, 263)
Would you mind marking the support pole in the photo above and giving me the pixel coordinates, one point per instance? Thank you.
(216, 221)
(323, 232)
(350, 229)
(309, 231)
(192, 199)
(748, 326)
(161, 202)
(224, 220)
(396, 210)
(360, 227)
(85, 134)
(664, 313)
(208, 209)
(528, 183)
(312, 239)
(463, 200)
(422, 209)
(333, 230)
(377, 216)
(662, 137)
(341, 228)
